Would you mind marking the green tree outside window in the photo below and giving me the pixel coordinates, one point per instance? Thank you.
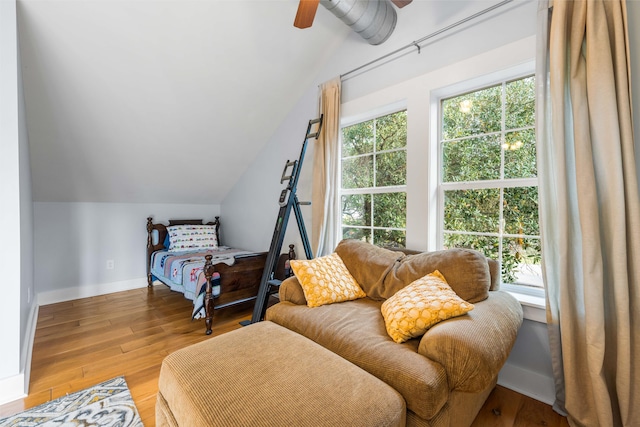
(374, 174)
(488, 177)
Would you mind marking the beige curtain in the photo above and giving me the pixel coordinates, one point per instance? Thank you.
(326, 172)
(590, 212)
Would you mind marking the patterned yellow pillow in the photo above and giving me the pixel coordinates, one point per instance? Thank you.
(417, 307)
(326, 280)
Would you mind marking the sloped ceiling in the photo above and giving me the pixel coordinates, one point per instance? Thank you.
(159, 101)
(169, 101)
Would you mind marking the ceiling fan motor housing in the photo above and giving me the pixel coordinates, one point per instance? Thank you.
(374, 20)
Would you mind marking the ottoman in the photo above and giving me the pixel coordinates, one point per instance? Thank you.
(237, 379)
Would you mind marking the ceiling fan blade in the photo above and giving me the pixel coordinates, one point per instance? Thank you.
(306, 13)
(401, 3)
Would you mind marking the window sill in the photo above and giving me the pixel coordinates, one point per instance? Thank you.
(533, 306)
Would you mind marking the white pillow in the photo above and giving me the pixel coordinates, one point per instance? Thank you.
(192, 237)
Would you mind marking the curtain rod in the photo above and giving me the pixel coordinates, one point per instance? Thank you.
(416, 44)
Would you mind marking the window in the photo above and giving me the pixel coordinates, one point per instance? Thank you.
(488, 187)
(374, 176)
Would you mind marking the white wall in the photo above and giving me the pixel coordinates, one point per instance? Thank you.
(9, 191)
(528, 369)
(73, 242)
(253, 204)
(16, 251)
(253, 199)
(28, 305)
(501, 26)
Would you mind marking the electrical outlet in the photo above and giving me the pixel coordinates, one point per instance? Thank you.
(110, 264)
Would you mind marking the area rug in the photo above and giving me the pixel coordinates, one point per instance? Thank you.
(108, 404)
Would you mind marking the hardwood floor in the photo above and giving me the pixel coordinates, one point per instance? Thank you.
(83, 342)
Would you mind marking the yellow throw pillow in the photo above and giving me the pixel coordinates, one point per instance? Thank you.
(326, 280)
(420, 305)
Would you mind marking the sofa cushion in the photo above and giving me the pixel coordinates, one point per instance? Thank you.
(326, 280)
(290, 290)
(494, 269)
(420, 305)
(355, 330)
(382, 272)
(370, 265)
(494, 266)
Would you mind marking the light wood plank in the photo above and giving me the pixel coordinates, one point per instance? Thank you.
(54, 364)
(67, 330)
(79, 341)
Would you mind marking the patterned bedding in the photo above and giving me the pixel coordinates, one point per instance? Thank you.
(181, 271)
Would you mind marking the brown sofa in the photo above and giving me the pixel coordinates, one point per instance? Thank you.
(444, 376)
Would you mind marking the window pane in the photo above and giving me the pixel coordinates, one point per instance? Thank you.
(521, 210)
(391, 131)
(357, 139)
(521, 106)
(469, 156)
(391, 238)
(391, 168)
(374, 156)
(390, 210)
(472, 114)
(356, 209)
(363, 234)
(489, 246)
(521, 261)
(471, 159)
(520, 154)
(472, 210)
(357, 172)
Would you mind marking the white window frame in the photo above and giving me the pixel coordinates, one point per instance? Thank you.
(350, 121)
(528, 296)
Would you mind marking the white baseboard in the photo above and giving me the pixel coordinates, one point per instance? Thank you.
(12, 388)
(86, 291)
(17, 386)
(529, 383)
(27, 350)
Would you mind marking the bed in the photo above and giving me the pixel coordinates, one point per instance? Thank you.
(187, 256)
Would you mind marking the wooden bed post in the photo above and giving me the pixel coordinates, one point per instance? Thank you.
(208, 269)
(217, 224)
(149, 250)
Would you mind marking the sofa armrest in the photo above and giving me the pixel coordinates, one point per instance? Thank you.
(472, 348)
(290, 290)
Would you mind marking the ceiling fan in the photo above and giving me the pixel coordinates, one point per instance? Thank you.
(307, 11)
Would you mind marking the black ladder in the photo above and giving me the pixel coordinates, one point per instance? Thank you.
(288, 200)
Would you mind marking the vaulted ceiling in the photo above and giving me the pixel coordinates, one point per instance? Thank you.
(146, 101)
(169, 101)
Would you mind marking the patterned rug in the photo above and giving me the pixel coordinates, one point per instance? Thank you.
(108, 404)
